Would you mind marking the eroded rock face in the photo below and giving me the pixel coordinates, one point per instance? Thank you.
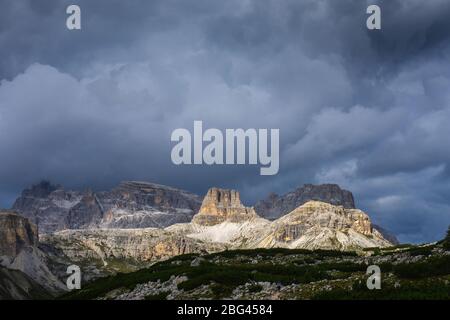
(16, 233)
(104, 251)
(314, 225)
(275, 206)
(86, 213)
(220, 205)
(321, 214)
(317, 224)
(388, 235)
(47, 205)
(19, 251)
(130, 205)
(144, 205)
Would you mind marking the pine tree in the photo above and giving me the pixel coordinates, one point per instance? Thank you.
(446, 241)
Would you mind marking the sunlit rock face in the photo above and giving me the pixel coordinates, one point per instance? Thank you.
(220, 205)
(16, 233)
(275, 206)
(313, 225)
(321, 225)
(102, 252)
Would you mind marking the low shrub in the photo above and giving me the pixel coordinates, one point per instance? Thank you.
(422, 290)
(159, 296)
(435, 266)
(254, 288)
(221, 291)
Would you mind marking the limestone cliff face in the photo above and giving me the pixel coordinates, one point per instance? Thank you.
(388, 235)
(104, 251)
(129, 205)
(86, 213)
(145, 205)
(220, 205)
(19, 251)
(320, 214)
(275, 206)
(16, 233)
(46, 205)
(314, 225)
(322, 225)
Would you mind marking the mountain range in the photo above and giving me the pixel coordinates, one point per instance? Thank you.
(129, 205)
(148, 205)
(137, 224)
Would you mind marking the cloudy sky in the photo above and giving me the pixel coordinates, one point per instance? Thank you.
(368, 110)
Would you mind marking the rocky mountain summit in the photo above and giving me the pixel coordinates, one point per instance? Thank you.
(220, 205)
(320, 225)
(108, 232)
(313, 225)
(46, 205)
(222, 223)
(19, 251)
(322, 216)
(16, 233)
(133, 205)
(129, 205)
(275, 206)
(144, 205)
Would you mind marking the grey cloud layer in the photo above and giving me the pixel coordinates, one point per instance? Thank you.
(368, 110)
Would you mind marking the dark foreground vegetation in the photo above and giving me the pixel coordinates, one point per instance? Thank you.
(408, 272)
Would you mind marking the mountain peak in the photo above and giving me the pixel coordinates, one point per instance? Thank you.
(41, 189)
(146, 185)
(16, 232)
(327, 215)
(221, 205)
(132, 204)
(275, 206)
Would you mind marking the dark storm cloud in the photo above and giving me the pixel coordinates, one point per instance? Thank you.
(365, 109)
